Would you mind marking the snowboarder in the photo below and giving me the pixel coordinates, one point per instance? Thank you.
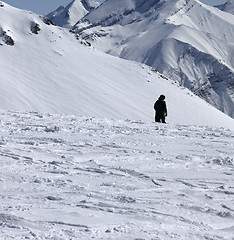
(160, 109)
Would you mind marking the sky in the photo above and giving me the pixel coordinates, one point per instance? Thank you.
(44, 6)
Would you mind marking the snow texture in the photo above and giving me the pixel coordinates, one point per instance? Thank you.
(66, 177)
(80, 155)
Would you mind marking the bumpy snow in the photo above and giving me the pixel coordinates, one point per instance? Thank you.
(66, 177)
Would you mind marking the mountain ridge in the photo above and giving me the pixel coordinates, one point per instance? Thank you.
(58, 73)
(81, 155)
(72, 13)
(118, 31)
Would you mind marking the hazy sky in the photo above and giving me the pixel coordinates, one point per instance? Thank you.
(46, 6)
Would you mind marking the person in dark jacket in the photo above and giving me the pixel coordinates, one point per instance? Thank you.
(160, 108)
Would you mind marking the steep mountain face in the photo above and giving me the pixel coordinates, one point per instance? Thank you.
(45, 68)
(186, 40)
(227, 7)
(72, 13)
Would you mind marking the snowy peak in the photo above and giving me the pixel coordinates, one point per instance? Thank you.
(20, 25)
(90, 4)
(185, 40)
(57, 74)
(190, 13)
(112, 11)
(72, 13)
(227, 7)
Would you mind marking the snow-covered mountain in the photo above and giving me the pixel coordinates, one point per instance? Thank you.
(72, 13)
(80, 155)
(188, 41)
(46, 68)
(227, 7)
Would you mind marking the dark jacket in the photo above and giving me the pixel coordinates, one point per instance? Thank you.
(160, 107)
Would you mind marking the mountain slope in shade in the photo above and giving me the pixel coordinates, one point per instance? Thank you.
(72, 13)
(227, 7)
(186, 40)
(46, 69)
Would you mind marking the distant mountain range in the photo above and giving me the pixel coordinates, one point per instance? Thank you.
(188, 41)
(50, 69)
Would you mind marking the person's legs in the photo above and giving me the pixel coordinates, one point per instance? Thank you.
(157, 118)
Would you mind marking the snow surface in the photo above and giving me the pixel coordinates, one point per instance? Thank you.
(53, 72)
(66, 177)
(185, 40)
(80, 155)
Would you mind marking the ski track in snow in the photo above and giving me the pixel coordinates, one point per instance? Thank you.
(67, 177)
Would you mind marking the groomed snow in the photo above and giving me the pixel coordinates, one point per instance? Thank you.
(65, 177)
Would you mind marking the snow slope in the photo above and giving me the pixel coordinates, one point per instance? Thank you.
(227, 7)
(49, 70)
(186, 40)
(80, 157)
(63, 177)
(72, 13)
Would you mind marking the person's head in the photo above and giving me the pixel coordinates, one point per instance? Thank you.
(162, 97)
